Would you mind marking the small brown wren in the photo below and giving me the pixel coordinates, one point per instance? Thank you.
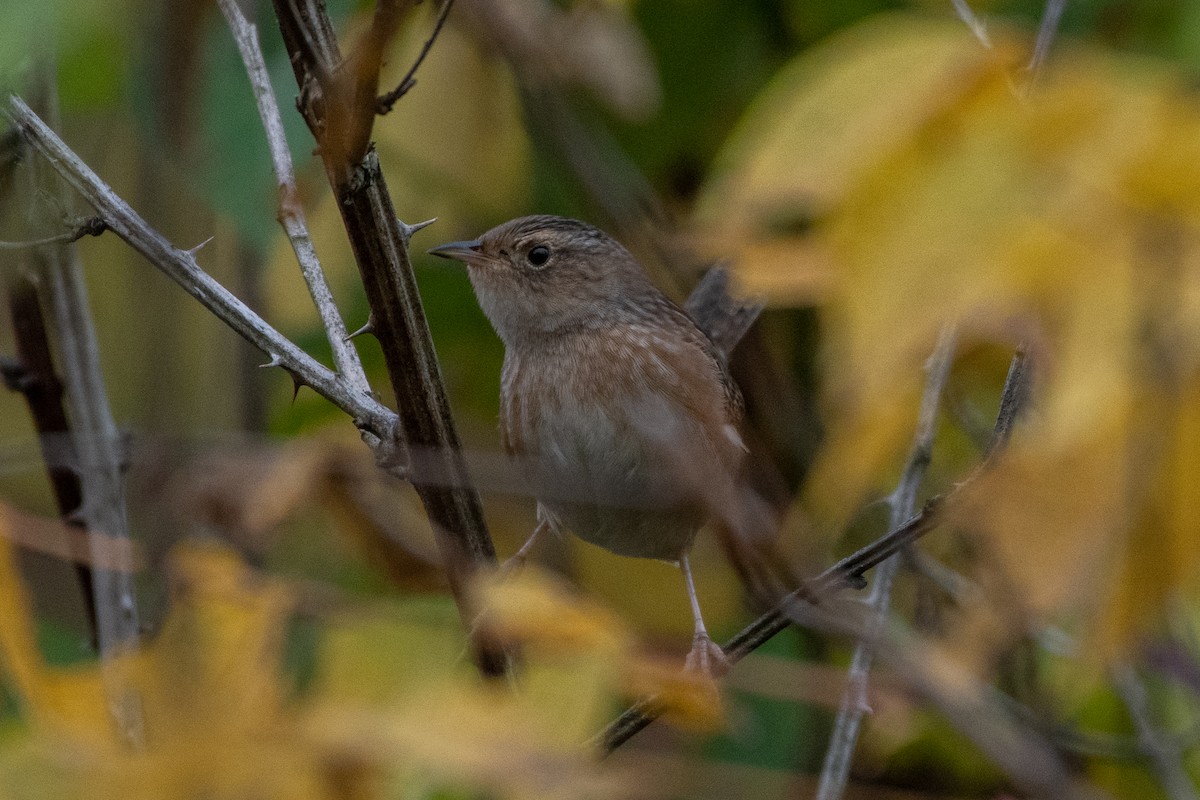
(616, 406)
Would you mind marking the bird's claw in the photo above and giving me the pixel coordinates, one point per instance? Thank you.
(706, 657)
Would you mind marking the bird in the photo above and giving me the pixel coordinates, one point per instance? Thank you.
(616, 407)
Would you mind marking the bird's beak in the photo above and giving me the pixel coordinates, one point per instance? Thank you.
(466, 252)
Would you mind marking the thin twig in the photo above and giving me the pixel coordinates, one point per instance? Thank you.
(1013, 401)
(1164, 756)
(1047, 30)
(835, 771)
(972, 21)
(291, 213)
(180, 265)
(845, 573)
(92, 226)
(384, 104)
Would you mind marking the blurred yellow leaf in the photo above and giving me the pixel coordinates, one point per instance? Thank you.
(1062, 216)
(394, 702)
(532, 608)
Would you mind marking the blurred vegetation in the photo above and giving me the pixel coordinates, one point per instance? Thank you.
(870, 168)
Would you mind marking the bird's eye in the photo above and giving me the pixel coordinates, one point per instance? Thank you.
(539, 255)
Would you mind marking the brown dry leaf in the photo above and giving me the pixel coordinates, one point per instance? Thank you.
(394, 704)
(54, 537)
(253, 491)
(584, 655)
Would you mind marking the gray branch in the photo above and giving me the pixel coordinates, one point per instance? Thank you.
(1047, 30)
(1165, 757)
(836, 770)
(291, 213)
(97, 447)
(180, 265)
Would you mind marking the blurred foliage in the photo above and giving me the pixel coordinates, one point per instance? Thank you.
(869, 159)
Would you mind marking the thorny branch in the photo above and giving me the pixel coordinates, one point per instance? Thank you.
(291, 213)
(836, 770)
(181, 266)
(380, 245)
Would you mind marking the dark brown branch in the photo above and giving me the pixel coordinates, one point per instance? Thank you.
(34, 377)
(846, 573)
(384, 104)
(380, 245)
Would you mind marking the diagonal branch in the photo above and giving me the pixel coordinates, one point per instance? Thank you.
(180, 265)
(291, 213)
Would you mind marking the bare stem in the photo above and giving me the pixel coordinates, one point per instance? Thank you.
(836, 769)
(34, 376)
(972, 21)
(96, 444)
(1047, 30)
(181, 266)
(93, 226)
(385, 102)
(1164, 755)
(291, 213)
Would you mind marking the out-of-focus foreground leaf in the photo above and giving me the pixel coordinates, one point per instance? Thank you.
(393, 709)
(1063, 215)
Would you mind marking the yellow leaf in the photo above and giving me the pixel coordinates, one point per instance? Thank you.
(18, 644)
(531, 608)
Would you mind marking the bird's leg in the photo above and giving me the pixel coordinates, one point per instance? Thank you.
(518, 559)
(706, 655)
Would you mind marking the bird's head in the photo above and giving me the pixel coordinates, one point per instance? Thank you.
(543, 274)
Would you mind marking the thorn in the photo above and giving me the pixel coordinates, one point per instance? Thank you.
(274, 362)
(408, 230)
(196, 249)
(368, 328)
(16, 377)
(296, 385)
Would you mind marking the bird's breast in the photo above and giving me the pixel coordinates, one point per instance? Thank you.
(609, 446)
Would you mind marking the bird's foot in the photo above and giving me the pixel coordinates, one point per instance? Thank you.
(706, 657)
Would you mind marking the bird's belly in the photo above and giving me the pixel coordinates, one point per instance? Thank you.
(610, 486)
